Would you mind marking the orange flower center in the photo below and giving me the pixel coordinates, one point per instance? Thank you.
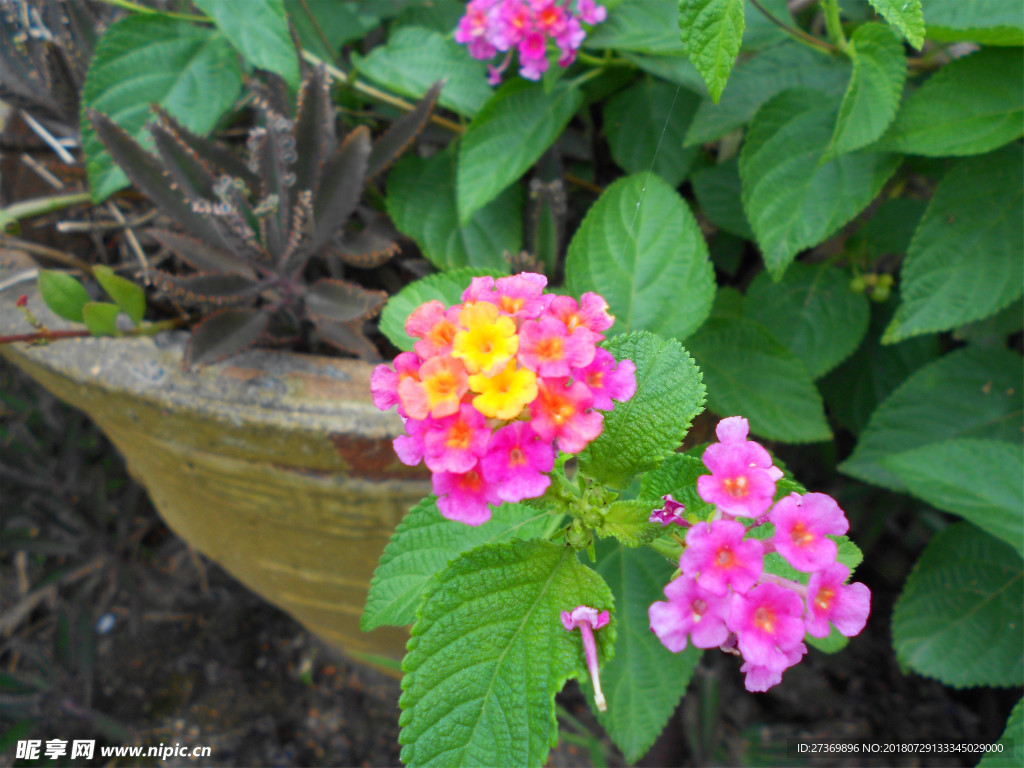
(824, 598)
(550, 349)
(800, 536)
(516, 457)
(459, 436)
(764, 619)
(725, 558)
(735, 486)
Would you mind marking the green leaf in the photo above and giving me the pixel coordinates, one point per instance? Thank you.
(640, 247)
(854, 389)
(421, 202)
(751, 374)
(675, 69)
(958, 618)
(63, 294)
(972, 392)
(989, 22)
(258, 29)
(447, 287)
(637, 434)
(971, 106)
(712, 31)
(488, 653)
(1012, 741)
(517, 125)
(642, 27)
(423, 544)
(759, 31)
(677, 476)
(906, 16)
(967, 255)
(128, 296)
(189, 70)
(794, 197)
(644, 682)
(414, 59)
(761, 77)
(980, 480)
(100, 317)
(813, 312)
(873, 96)
(645, 125)
(629, 522)
(718, 192)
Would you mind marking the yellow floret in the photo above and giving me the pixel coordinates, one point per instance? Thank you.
(504, 395)
(486, 341)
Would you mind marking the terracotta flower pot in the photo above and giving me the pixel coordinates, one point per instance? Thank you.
(275, 465)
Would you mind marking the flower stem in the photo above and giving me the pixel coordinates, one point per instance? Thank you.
(797, 34)
(40, 205)
(834, 25)
(128, 5)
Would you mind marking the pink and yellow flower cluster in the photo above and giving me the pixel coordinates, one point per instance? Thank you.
(725, 598)
(495, 384)
(490, 26)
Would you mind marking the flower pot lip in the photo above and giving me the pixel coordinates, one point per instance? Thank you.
(263, 386)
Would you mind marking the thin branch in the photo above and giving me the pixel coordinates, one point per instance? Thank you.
(46, 252)
(798, 34)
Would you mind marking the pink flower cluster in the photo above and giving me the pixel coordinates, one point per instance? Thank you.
(490, 26)
(724, 597)
(497, 383)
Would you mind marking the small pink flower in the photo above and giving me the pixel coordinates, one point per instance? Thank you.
(564, 413)
(549, 17)
(522, 295)
(517, 463)
(384, 380)
(442, 383)
(736, 486)
(802, 527)
(762, 677)
(587, 620)
(734, 430)
(830, 599)
(718, 557)
(591, 313)
(464, 496)
(590, 12)
(547, 348)
(455, 443)
(513, 20)
(607, 381)
(692, 611)
(767, 622)
(435, 326)
(409, 447)
(670, 513)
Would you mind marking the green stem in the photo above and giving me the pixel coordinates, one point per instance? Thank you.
(834, 25)
(586, 76)
(797, 34)
(666, 548)
(40, 205)
(149, 329)
(128, 5)
(607, 61)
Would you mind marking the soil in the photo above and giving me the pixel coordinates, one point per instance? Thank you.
(143, 642)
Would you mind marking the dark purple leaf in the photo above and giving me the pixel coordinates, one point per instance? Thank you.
(208, 290)
(366, 249)
(348, 337)
(297, 250)
(314, 129)
(341, 185)
(201, 255)
(401, 133)
(195, 177)
(341, 302)
(223, 334)
(214, 154)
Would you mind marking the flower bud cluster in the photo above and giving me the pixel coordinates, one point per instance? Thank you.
(497, 383)
(493, 26)
(724, 596)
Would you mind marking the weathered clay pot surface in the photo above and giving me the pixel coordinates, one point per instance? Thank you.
(275, 465)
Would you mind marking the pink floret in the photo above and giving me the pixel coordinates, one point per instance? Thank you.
(455, 443)
(517, 463)
(547, 348)
(690, 612)
(760, 678)
(768, 622)
(464, 496)
(802, 527)
(734, 485)
(718, 557)
(606, 380)
(847, 606)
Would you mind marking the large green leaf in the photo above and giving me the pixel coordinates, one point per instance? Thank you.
(813, 312)
(446, 287)
(958, 619)
(972, 392)
(414, 59)
(637, 434)
(718, 191)
(873, 96)
(1008, 748)
(421, 202)
(641, 248)
(509, 135)
(749, 373)
(258, 29)
(980, 480)
(423, 544)
(644, 682)
(793, 196)
(645, 125)
(757, 79)
(647, 27)
(989, 22)
(854, 389)
(967, 256)
(488, 653)
(904, 15)
(970, 106)
(712, 31)
(190, 71)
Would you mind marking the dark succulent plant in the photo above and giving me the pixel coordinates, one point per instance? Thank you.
(251, 228)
